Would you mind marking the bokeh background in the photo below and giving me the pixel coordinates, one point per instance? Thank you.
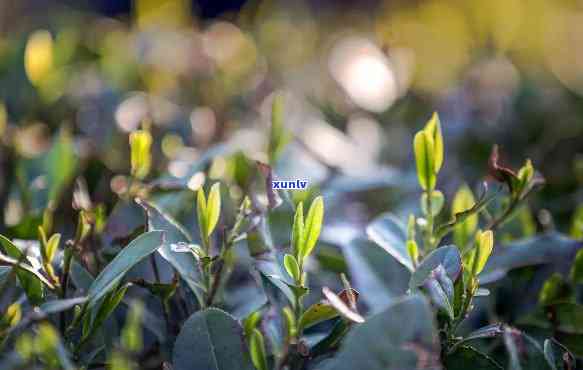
(360, 78)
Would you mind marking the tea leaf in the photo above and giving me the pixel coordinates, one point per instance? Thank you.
(257, 349)
(475, 259)
(315, 314)
(448, 256)
(437, 201)
(129, 256)
(463, 201)
(313, 226)
(292, 267)
(141, 157)
(211, 340)
(423, 146)
(31, 283)
(433, 126)
(389, 233)
(213, 208)
(298, 236)
(577, 268)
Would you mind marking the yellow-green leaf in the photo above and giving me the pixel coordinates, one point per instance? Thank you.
(141, 156)
(413, 251)
(313, 226)
(424, 147)
(52, 246)
(201, 212)
(577, 224)
(257, 349)
(213, 208)
(292, 267)
(317, 313)
(298, 231)
(577, 268)
(437, 201)
(38, 56)
(433, 126)
(462, 201)
(476, 258)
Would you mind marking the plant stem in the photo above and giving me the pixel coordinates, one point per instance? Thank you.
(429, 227)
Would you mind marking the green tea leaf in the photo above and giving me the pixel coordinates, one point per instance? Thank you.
(211, 340)
(369, 346)
(30, 283)
(201, 213)
(463, 201)
(213, 208)
(129, 256)
(448, 256)
(577, 223)
(433, 126)
(140, 148)
(423, 146)
(554, 290)
(389, 233)
(52, 247)
(278, 136)
(577, 268)
(475, 259)
(298, 232)
(292, 267)
(315, 314)
(313, 226)
(257, 349)
(437, 201)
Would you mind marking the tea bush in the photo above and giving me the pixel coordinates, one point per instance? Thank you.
(227, 295)
(183, 192)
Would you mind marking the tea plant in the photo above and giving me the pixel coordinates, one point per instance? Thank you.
(153, 295)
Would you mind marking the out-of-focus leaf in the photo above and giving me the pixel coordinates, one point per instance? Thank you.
(388, 232)
(59, 305)
(409, 346)
(448, 256)
(140, 150)
(211, 340)
(278, 137)
(577, 268)
(125, 218)
(552, 249)
(463, 201)
(131, 336)
(557, 355)
(577, 223)
(128, 257)
(257, 350)
(29, 281)
(554, 289)
(567, 316)
(374, 270)
(437, 201)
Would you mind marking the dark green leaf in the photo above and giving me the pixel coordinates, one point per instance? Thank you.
(388, 232)
(128, 257)
(211, 340)
(448, 256)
